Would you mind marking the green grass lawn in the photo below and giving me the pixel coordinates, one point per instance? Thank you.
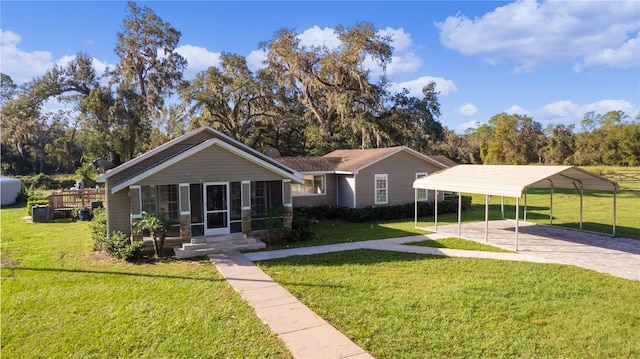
(62, 300)
(399, 305)
(458, 243)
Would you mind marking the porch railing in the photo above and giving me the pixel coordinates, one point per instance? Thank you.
(68, 199)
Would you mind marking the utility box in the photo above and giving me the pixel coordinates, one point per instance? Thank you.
(96, 204)
(40, 214)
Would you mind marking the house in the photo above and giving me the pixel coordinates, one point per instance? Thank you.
(363, 177)
(206, 182)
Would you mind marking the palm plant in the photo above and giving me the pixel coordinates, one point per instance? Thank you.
(157, 227)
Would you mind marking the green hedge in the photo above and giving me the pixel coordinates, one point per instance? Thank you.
(380, 213)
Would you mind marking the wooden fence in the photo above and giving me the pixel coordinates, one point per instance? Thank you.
(69, 199)
(624, 176)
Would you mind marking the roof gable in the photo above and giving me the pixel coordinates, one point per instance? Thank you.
(293, 175)
(184, 144)
(353, 161)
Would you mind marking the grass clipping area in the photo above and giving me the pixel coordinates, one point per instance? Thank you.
(60, 299)
(399, 305)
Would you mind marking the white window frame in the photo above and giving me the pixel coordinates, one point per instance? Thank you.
(385, 178)
(422, 195)
(295, 186)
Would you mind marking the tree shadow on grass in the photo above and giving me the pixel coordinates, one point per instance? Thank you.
(128, 274)
(350, 257)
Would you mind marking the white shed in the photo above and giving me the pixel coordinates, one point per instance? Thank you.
(10, 188)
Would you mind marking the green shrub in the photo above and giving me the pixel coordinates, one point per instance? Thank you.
(98, 228)
(36, 202)
(383, 213)
(300, 229)
(120, 246)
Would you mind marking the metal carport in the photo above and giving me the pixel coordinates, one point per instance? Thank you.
(512, 181)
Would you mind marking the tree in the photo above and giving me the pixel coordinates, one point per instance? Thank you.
(411, 121)
(149, 70)
(7, 88)
(561, 144)
(230, 99)
(332, 84)
(517, 140)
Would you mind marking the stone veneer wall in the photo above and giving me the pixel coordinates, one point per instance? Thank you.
(185, 227)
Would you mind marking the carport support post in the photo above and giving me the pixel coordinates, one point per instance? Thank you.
(551, 205)
(517, 219)
(415, 200)
(580, 191)
(435, 211)
(614, 211)
(486, 218)
(525, 204)
(459, 213)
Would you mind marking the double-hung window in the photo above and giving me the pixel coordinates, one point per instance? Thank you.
(313, 185)
(421, 193)
(381, 187)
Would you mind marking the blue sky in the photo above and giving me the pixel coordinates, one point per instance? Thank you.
(551, 60)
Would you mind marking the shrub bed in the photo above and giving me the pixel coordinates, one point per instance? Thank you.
(382, 213)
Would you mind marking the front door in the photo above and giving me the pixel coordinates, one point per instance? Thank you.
(216, 205)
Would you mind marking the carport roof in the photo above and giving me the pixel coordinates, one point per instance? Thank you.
(512, 181)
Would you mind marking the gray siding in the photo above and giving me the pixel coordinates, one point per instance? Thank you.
(161, 156)
(214, 164)
(328, 199)
(346, 188)
(118, 208)
(401, 169)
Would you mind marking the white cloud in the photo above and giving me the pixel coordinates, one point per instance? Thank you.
(198, 58)
(316, 36)
(625, 56)
(443, 85)
(24, 66)
(533, 33)
(468, 110)
(604, 106)
(461, 128)
(566, 112)
(21, 66)
(517, 110)
(255, 60)
(404, 58)
(559, 109)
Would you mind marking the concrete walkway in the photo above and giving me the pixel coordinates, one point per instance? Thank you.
(303, 331)
(310, 337)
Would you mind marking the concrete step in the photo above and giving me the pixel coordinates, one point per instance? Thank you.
(219, 239)
(190, 252)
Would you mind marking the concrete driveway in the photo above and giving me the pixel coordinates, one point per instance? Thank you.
(614, 255)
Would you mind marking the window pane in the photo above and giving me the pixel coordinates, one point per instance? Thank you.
(381, 189)
(421, 192)
(318, 184)
(149, 197)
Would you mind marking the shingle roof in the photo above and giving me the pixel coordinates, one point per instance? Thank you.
(350, 160)
(444, 160)
(311, 164)
(353, 160)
